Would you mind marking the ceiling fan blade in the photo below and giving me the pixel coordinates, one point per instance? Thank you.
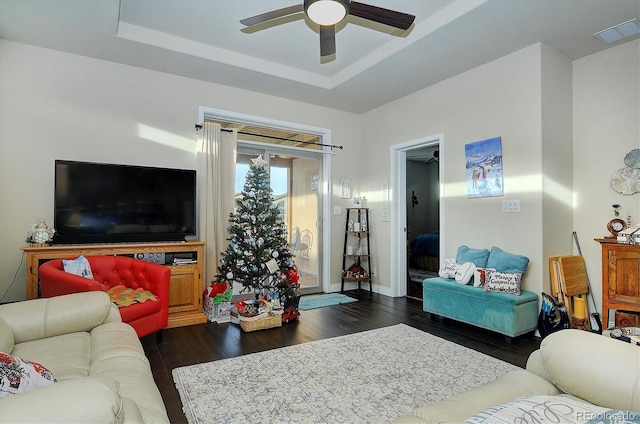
(274, 14)
(327, 40)
(381, 15)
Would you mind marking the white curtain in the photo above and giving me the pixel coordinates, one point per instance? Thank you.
(216, 191)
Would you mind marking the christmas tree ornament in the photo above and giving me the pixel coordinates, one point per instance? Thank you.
(259, 162)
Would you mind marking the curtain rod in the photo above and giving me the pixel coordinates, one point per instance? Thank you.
(199, 127)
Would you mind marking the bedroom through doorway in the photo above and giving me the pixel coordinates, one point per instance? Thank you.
(422, 216)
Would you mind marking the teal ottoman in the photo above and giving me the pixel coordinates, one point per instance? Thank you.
(503, 313)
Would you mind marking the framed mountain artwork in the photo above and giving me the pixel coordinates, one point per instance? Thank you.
(484, 168)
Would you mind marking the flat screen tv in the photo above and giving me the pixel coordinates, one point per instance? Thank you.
(109, 203)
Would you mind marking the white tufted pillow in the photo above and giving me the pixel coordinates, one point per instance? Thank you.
(465, 272)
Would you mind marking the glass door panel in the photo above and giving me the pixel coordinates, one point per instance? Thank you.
(303, 222)
(295, 182)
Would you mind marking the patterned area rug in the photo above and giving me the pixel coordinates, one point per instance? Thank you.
(374, 376)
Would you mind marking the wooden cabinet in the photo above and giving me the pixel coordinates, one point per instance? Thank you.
(185, 288)
(620, 273)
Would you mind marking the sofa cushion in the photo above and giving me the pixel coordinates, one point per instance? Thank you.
(507, 262)
(62, 315)
(18, 375)
(117, 353)
(504, 389)
(479, 257)
(67, 355)
(81, 400)
(79, 266)
(114, 340)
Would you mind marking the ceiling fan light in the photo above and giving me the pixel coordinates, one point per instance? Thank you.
(326, 12)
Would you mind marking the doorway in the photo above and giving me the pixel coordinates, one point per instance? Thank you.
(423, 216)
(403, 205)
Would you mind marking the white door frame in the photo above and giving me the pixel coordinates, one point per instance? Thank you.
(325, 187)
(399, 209)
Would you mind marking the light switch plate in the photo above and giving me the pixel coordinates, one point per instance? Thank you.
(511, 206)
(337, 210)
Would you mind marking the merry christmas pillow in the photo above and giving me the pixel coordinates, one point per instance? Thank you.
(503, 282)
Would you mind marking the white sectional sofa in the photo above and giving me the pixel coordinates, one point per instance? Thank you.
(575, 376)
(101, 370)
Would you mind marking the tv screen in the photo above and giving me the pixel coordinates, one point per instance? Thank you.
(109, 203)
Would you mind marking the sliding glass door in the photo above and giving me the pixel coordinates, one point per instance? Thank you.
(295, 177)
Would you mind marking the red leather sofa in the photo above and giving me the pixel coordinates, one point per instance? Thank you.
(108, 271)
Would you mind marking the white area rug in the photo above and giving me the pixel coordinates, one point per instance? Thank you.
(373, 376)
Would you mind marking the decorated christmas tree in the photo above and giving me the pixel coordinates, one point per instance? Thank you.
(258, 256)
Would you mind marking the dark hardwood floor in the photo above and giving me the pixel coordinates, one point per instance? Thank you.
(209, 342)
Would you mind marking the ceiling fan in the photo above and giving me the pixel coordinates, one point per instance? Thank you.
(327, 13)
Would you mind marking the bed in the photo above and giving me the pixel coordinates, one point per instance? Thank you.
(425, 252)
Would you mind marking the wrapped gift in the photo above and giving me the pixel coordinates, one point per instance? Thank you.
(222, 312)
(217, 302)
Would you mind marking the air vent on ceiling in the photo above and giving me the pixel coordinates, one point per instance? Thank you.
(619, 32)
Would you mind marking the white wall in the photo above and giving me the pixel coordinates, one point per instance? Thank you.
(565, 129)
(55, 105)
(501, 98)
(557, 159)
(606, 126)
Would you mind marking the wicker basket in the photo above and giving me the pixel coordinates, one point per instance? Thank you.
(261, 322)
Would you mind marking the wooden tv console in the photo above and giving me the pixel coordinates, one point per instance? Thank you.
(187, 281)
